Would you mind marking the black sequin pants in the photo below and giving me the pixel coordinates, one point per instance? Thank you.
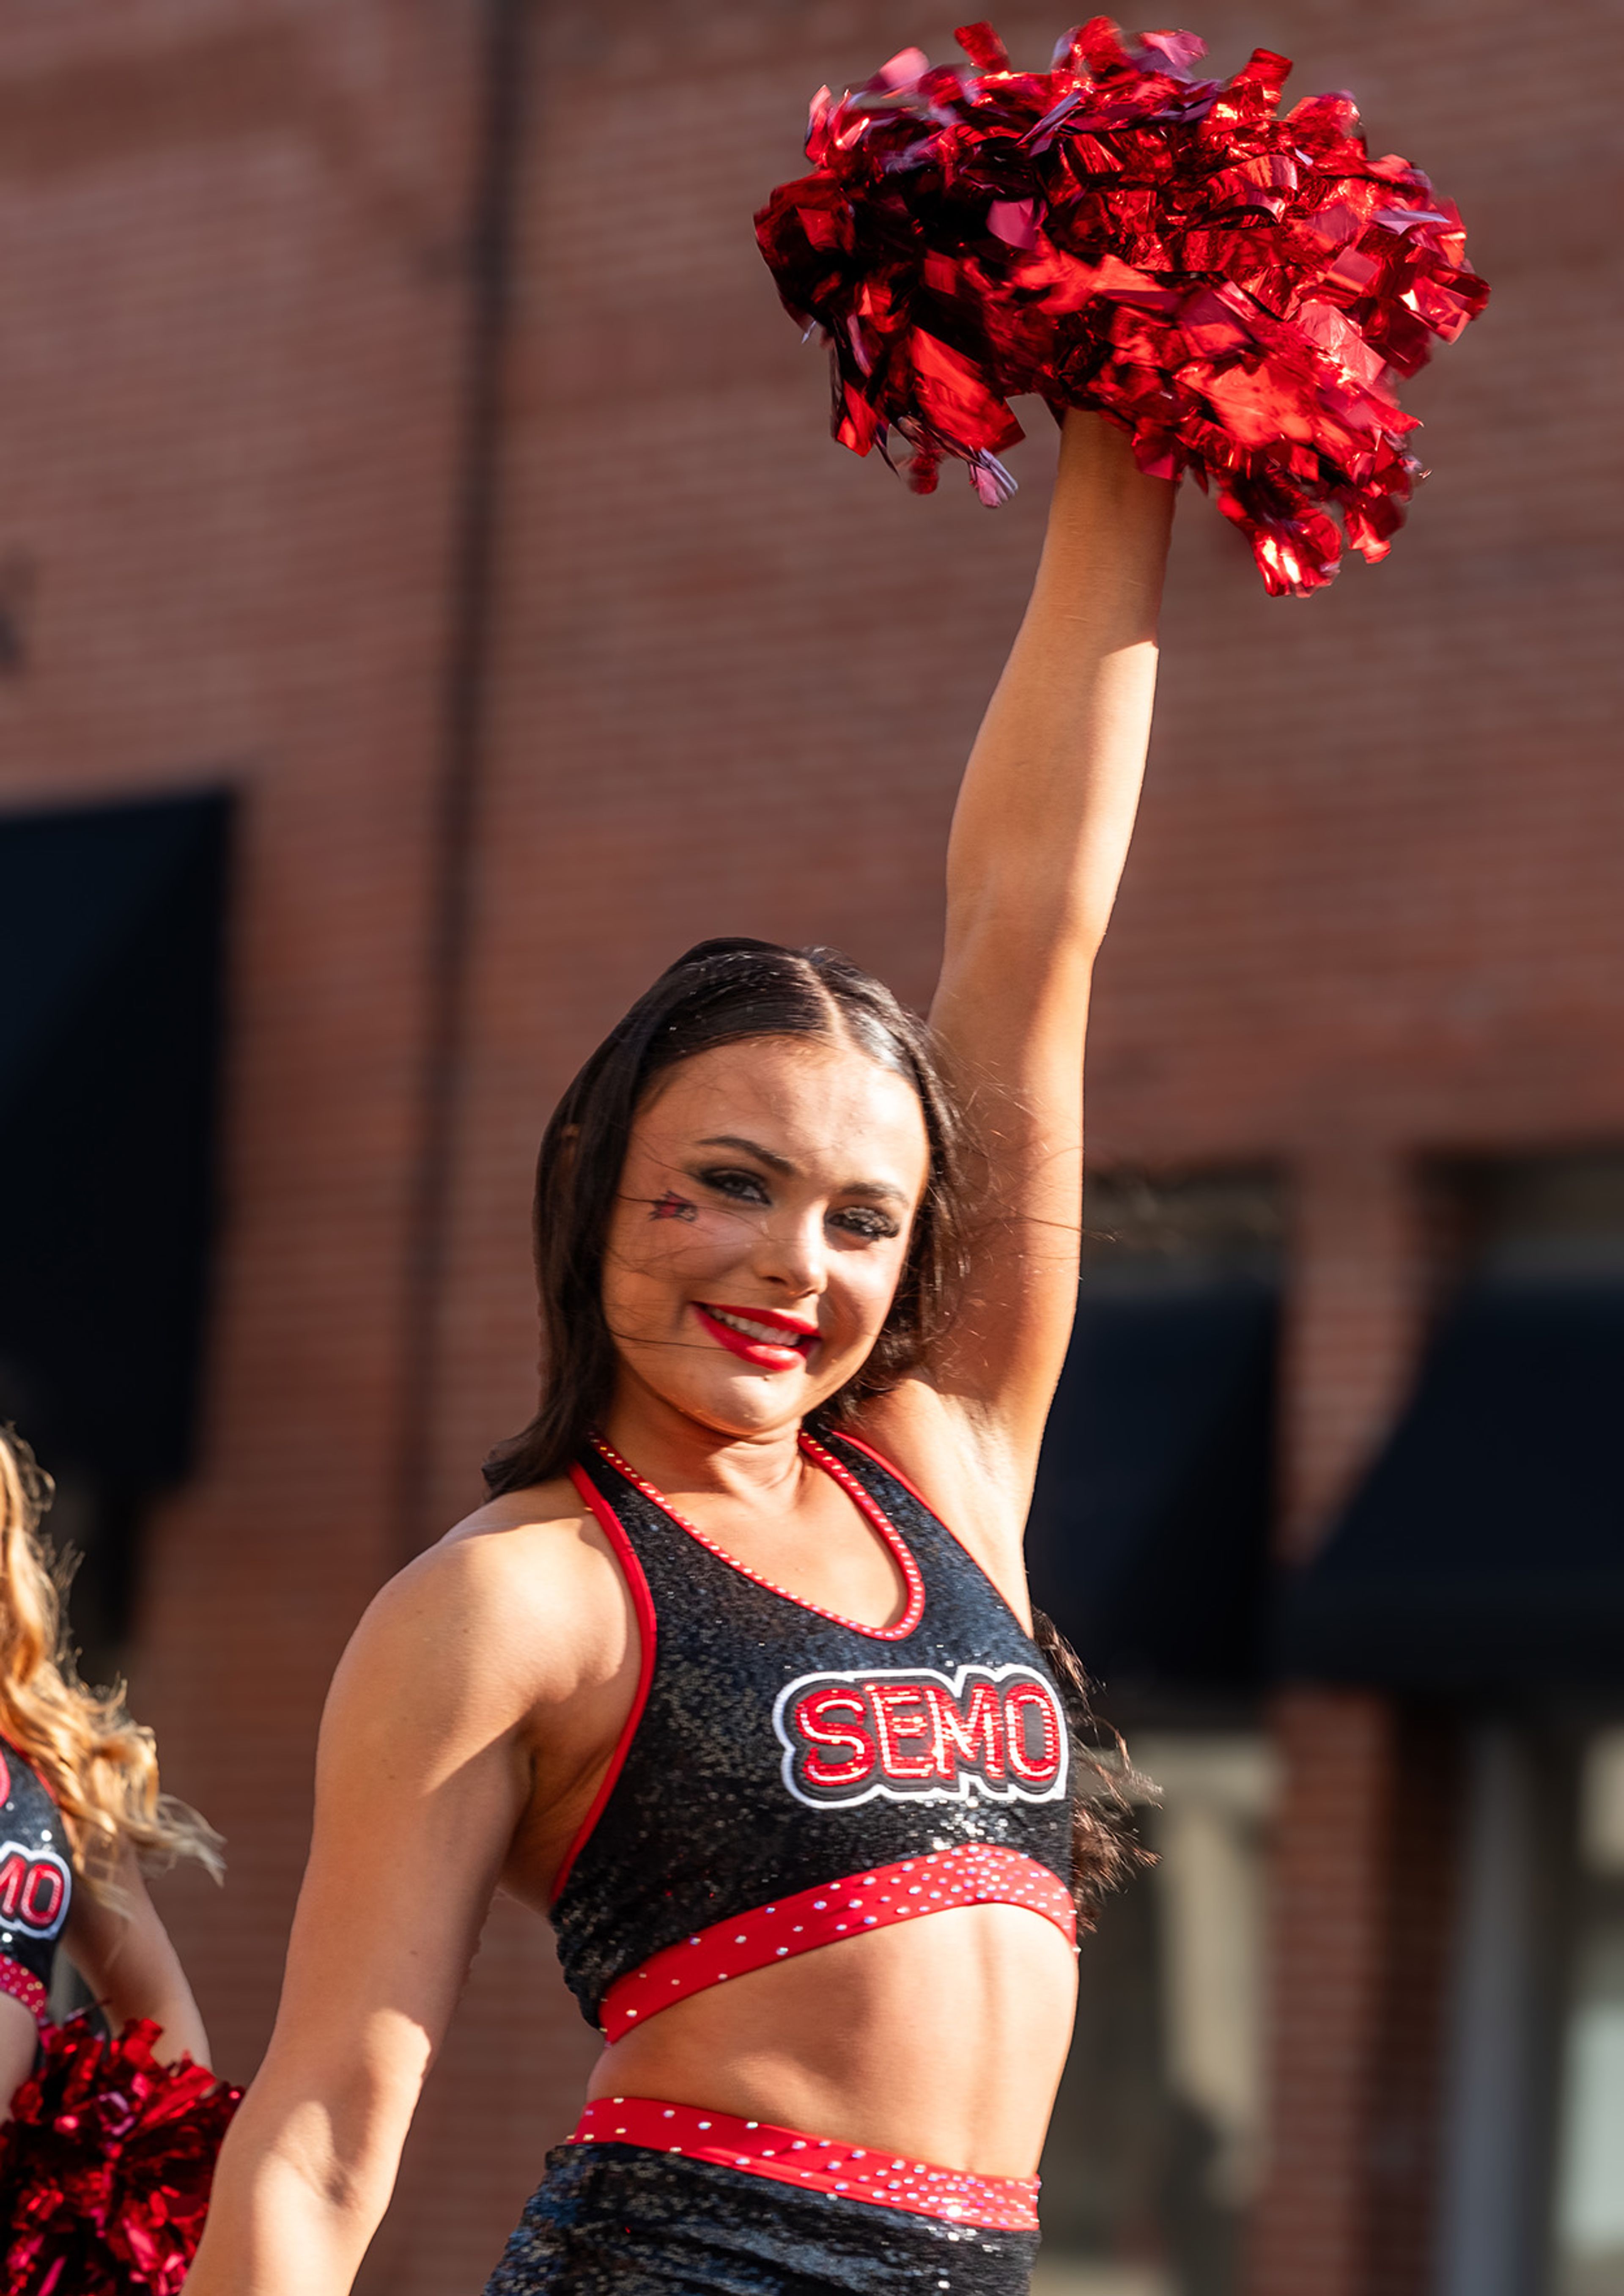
(621, 2220)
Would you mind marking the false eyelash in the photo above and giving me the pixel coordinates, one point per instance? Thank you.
(671, 1206)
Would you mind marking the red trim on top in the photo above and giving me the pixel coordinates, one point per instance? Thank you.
(815, 2164)
(643, 1605)
(23, 1986)
(864, 1502)
(897, 1476)
(914, 1491)
(971, 1873)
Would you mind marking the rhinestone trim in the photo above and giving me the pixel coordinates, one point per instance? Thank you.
(857, 2172)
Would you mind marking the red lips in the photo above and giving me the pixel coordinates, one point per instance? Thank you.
(778, 1354)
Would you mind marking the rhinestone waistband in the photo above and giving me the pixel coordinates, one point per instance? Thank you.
(856, 2172)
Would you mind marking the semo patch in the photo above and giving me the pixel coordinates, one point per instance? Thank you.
(35, 1888)
(984, 1733)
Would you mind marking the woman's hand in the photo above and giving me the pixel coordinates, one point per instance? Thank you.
(1039, 838)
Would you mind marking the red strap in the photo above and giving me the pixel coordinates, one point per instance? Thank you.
(817, 2164)
(643, 1607)
(972, 1873)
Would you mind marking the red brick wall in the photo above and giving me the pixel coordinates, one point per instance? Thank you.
(229, 381)
(1312, 2232)
(1373, 910)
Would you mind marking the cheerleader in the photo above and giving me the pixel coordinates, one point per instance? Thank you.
(735, 1678)
(81, 1817)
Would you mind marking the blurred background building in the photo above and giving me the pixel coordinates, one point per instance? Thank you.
(428, 601)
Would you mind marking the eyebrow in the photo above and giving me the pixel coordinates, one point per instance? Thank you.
(777, 1163)
(767, 1156)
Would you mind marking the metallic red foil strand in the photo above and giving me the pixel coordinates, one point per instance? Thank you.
(1242, 292)
(105, 2166)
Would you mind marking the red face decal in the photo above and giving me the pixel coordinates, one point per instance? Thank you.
(986, 1734)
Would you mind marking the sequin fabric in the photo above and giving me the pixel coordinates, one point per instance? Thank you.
(35, 1881)
(779, 1748)
(626, 2220)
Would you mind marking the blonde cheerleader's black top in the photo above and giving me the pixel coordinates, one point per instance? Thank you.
(35, 1883)
(108, 2154)
(787, 1777)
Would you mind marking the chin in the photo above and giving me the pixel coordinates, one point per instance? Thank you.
(749, 1407)
(743, 1402)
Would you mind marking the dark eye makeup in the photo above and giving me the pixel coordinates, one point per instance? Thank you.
(862, 1219)
(865, 1221)
(728, 1180)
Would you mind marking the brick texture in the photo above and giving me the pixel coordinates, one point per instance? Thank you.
(730, 675)
(1327, 1950)
(229, 386)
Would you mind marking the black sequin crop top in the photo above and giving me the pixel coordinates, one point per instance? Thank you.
(787, 1778)
(35, 1883)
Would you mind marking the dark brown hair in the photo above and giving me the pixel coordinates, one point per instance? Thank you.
(723, 992)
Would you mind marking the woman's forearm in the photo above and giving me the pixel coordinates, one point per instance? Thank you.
(181, 2033)
(170, 2007)
(283, 2242)
(1047, 810)
(283, 2220)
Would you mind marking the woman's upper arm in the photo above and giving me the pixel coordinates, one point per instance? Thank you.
(477, 1687)
(1040, 835)
(421, 1776)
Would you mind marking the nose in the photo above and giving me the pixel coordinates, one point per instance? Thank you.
(791, 1252)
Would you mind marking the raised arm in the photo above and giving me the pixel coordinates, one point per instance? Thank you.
(1039, 837)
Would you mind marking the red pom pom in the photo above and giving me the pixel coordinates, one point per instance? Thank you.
(1240, 292)
(105, 2166)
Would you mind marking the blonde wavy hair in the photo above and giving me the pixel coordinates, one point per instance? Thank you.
(100, 1766)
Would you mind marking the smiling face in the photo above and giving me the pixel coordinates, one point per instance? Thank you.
(761, 1229)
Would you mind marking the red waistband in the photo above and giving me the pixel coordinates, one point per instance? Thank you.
(817, 2164)
(23, 1986)
(972, 1874)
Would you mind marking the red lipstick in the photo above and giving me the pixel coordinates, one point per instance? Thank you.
(793, 1335)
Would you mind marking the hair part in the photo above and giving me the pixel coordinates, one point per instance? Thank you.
(722, 992)
(100, 1766)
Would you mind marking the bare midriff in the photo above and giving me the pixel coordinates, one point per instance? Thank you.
(944, 2040)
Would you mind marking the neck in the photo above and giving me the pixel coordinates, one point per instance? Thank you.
(677, 1454)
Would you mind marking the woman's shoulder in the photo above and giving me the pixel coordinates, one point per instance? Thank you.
(523, 1596)
(555, 1507)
